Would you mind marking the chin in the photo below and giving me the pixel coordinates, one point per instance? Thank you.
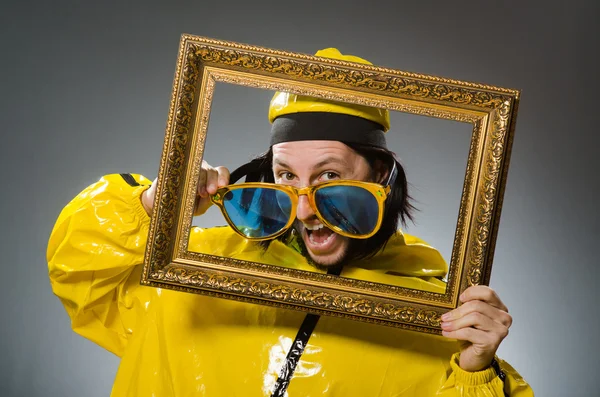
(323, 256)
(330, 259)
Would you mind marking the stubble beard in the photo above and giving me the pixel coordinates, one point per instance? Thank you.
(338, 262)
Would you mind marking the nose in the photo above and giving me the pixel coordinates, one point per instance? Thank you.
(304, 212)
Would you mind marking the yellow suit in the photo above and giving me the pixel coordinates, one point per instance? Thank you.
(177, 344)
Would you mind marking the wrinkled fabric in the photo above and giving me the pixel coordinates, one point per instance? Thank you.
(181, 344)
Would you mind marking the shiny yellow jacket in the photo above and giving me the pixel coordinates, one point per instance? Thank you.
(179, 344)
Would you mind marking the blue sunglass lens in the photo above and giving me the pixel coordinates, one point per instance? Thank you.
(258, 212)
(351, 208)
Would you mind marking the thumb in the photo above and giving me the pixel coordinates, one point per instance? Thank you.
(148, 197)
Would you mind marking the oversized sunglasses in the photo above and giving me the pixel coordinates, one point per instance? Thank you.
(262, 211)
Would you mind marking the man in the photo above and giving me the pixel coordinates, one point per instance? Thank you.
(176, 344)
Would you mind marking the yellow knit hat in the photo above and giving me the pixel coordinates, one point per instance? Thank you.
(284, 103)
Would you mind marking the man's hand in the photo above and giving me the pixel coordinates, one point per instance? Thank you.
(482, 322)
(210, 180)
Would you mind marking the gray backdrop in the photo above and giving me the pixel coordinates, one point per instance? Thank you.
(433, 153)
(86, 89)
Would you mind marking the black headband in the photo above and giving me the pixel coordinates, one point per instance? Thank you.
(323, 126)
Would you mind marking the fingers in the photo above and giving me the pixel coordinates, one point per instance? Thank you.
(223, 176)
(148, 197)
(202, 180)
(482, 320)
(477, 320)
(481, 307)
(472, 335)
(211, 178)
(478, 330)
(485, 294)
(209, 181)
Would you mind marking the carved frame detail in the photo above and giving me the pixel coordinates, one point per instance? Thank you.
(202, 62)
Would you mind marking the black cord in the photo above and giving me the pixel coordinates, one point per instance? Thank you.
(293, 356)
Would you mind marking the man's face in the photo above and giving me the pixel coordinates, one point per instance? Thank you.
(305, 163)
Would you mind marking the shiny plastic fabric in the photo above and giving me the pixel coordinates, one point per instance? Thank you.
(284, 103)
(179, 344)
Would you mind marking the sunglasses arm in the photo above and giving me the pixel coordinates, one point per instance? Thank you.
(392, 176)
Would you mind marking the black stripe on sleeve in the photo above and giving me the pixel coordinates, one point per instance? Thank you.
(130, 180)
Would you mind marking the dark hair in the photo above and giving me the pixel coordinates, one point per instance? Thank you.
(398, 207)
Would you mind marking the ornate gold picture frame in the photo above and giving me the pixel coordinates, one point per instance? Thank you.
(202, 62)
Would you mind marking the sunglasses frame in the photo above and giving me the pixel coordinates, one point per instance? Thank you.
(380, 192)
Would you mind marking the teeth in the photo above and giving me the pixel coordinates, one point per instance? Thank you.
(312, 240)
(314, 227)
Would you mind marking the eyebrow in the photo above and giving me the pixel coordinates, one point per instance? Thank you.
(330, 160)
(280, 163)
(320, 164)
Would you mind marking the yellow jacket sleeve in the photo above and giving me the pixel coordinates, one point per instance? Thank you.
(484, 383)
(94, 256)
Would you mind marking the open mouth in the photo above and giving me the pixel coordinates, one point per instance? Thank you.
(319, 235)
